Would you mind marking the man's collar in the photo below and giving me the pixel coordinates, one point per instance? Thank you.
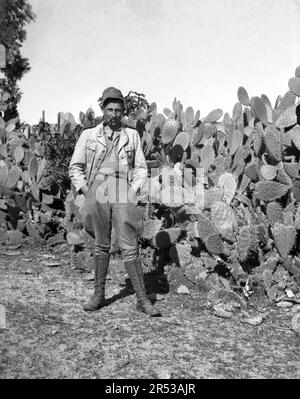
(101, 136)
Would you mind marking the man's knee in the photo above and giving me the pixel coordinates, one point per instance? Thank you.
(101, 249)
(130, 254)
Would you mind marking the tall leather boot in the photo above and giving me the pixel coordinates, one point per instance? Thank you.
(97, 300)
(136, 275)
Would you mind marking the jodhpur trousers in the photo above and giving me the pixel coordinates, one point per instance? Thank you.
(102, 211)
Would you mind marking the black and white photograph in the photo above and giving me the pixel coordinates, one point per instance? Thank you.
(150, 192)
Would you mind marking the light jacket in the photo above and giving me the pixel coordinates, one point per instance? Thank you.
(90, 151)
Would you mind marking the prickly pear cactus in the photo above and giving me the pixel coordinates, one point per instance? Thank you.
(212, 195)
(205, 227)
(223, 218)
(273, 145)
(214, 244)
(246, 242)
(288, 214)
(228, 183)
(270, 190)
(284, 237)
(169, 131)
(274, 213)
(297, 218)
(180, 253)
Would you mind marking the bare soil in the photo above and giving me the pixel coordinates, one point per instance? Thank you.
(48, 335)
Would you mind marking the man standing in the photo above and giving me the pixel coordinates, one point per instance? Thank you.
(108, 166)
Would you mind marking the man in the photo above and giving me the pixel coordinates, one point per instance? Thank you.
(108, 166)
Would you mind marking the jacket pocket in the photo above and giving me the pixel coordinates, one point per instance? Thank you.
(130, 155)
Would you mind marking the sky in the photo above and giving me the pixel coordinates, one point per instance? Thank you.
(199, 51)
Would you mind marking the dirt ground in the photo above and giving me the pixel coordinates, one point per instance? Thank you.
(48, 335)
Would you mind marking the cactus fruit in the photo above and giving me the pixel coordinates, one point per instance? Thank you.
(224, 218)
(213, 116)
(169, 131)
(287, 118)
(214, 244)
(274, 213)
(228, 183)
(243, 96)
(268, 172)
(246, 242)
(294, 86)
(166, 238)
(272, 141)
(284, 237)
(270, 190)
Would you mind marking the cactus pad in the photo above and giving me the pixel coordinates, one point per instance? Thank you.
(223, 218)
(214, 244)
(183, 140)
(259, 109)
(169, 131)
(284, 237)
(246, 242)
(272, 141)
(228, 183)
(294, 86)
(242, 96)
(205, 227)
(270, 190)
(287, 118)
(213, 116)
(274, 213)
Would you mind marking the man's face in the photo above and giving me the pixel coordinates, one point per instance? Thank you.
(112, 113)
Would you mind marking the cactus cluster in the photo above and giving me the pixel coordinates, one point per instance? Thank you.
(250, 161)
